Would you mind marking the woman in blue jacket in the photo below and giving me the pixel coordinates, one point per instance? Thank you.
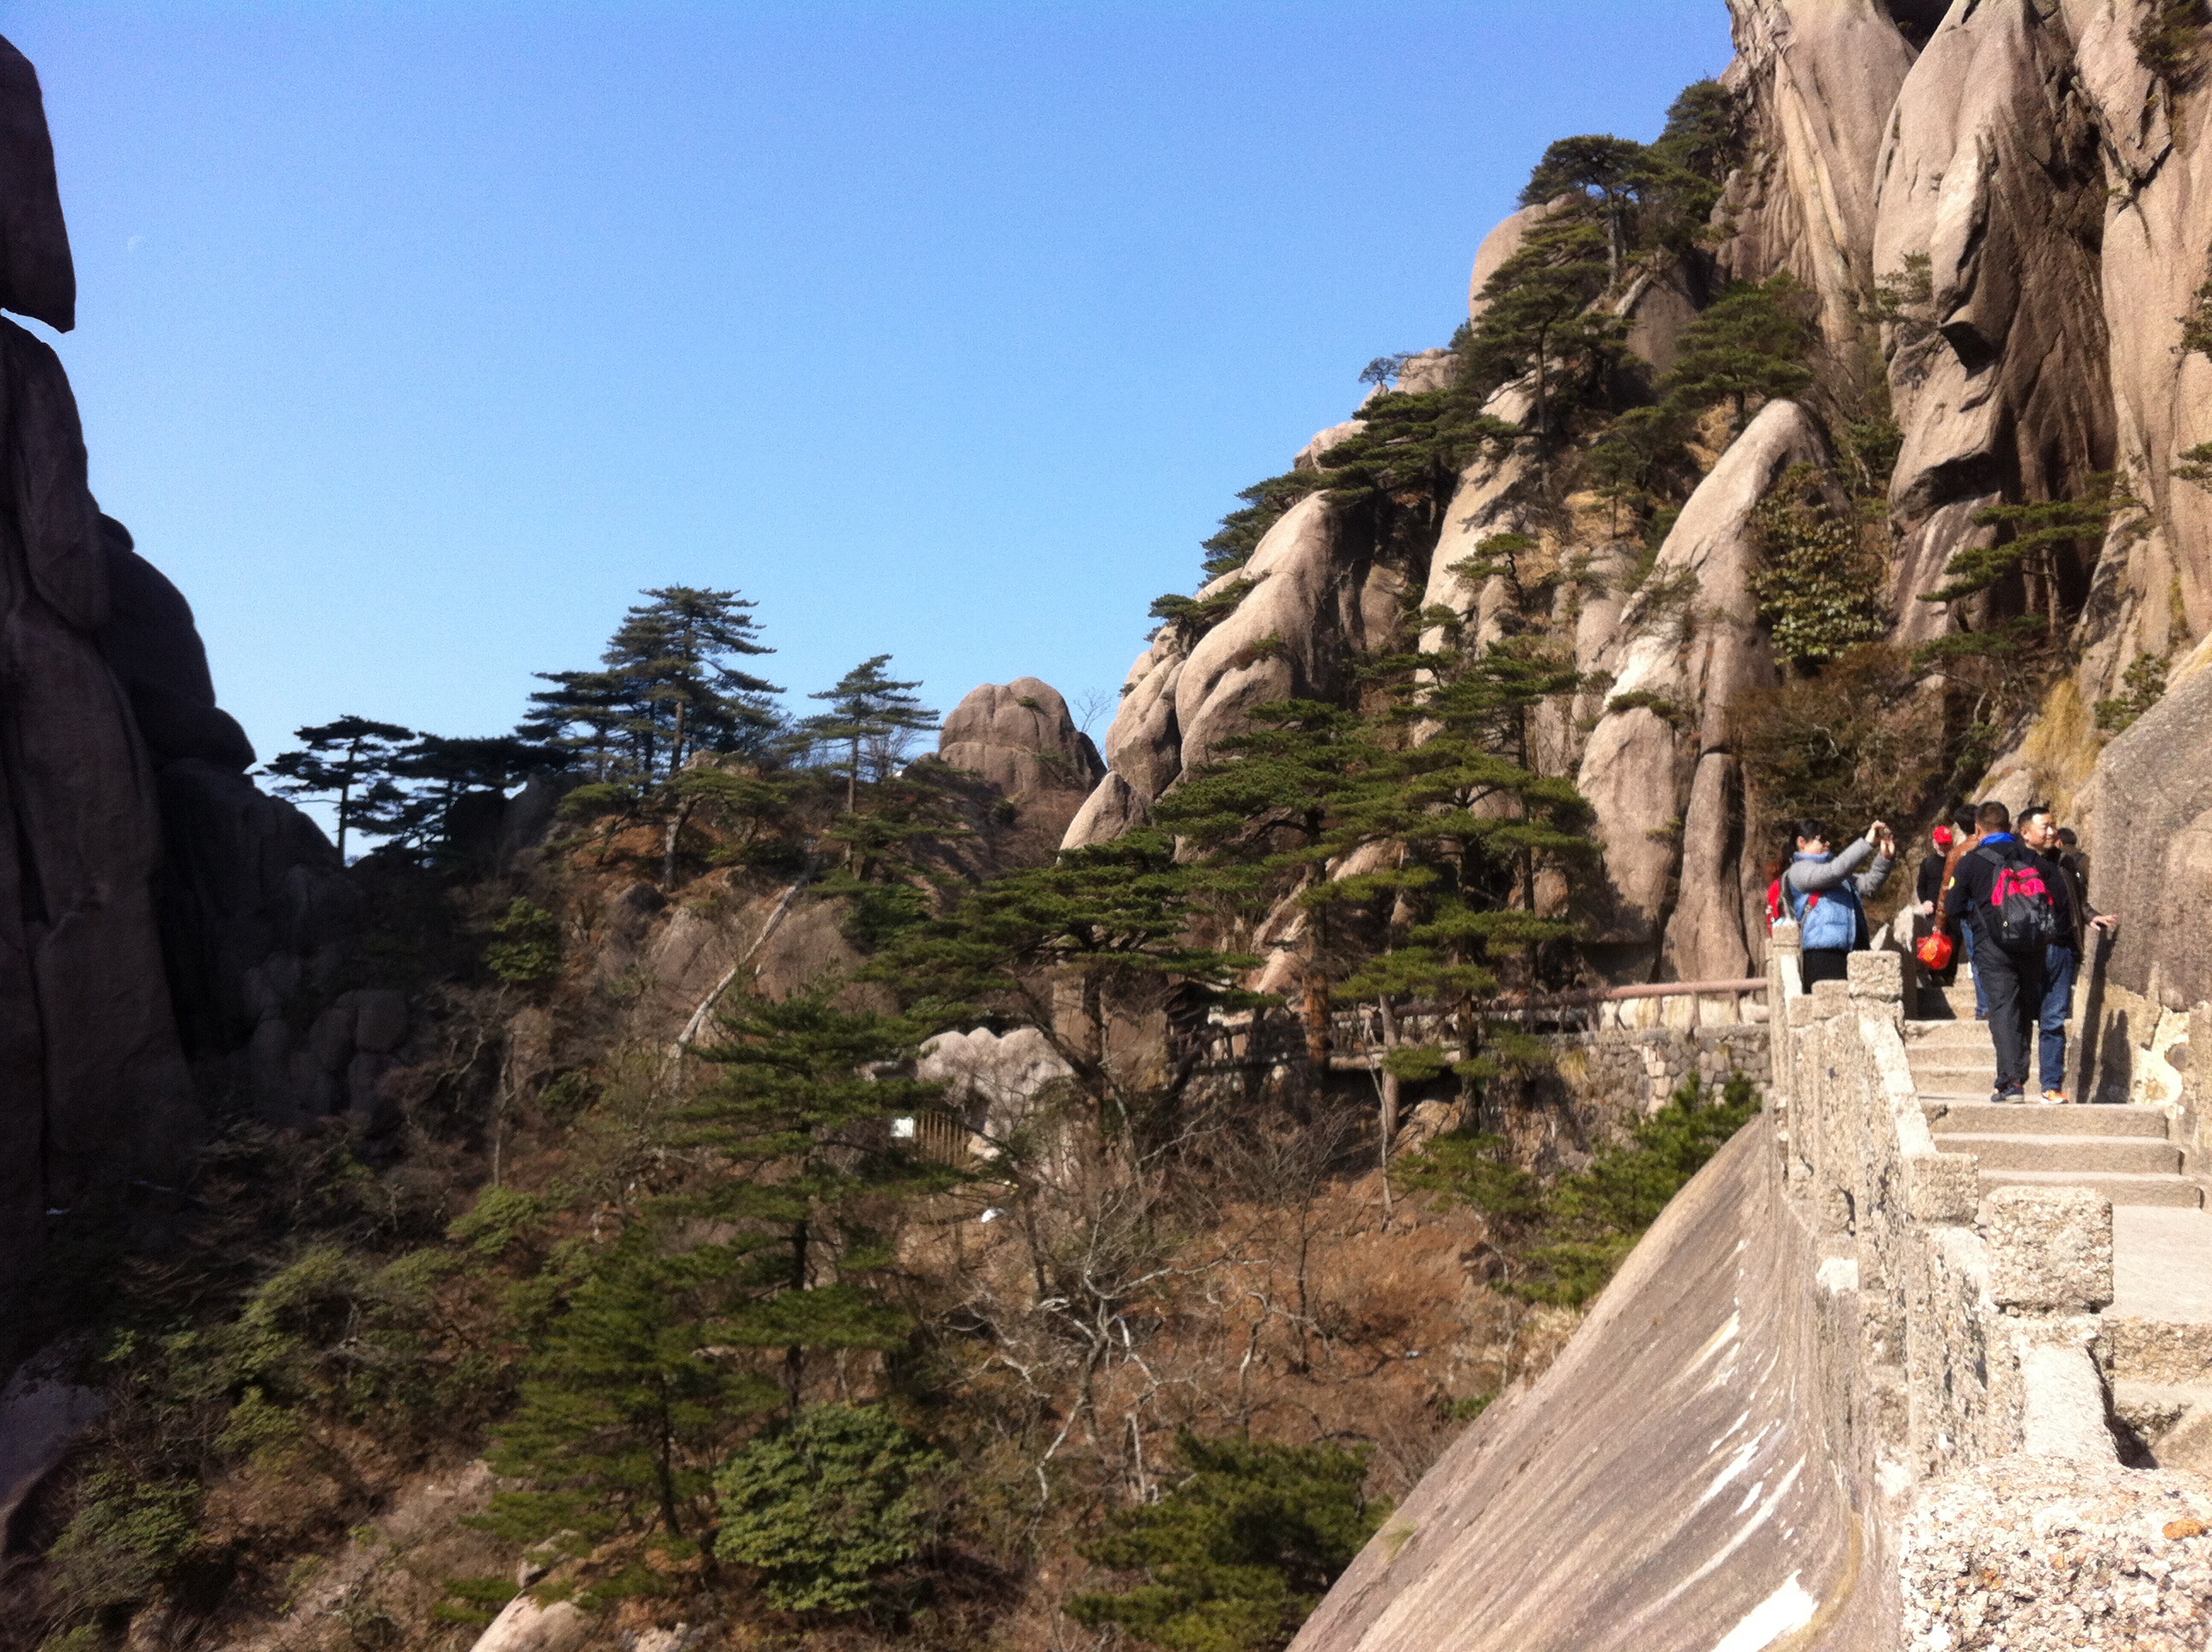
(1826, 890)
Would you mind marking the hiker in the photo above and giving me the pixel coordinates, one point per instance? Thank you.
(1824, 895)
(1999, 889)
(1927, 889)
(2062, 959)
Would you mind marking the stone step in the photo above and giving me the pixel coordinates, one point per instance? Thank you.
(2081, 1154)
(1955, 1080)
(1947, 1035)
(2170, 1191)
(1984, 1117)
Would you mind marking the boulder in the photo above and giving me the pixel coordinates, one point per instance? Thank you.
(1019, 737)
(151, 644)
(1310, 456)
(991, 1079)
(1144, 746)
(380, 1019)
(1499, 245)
(1111, 809)
(1714, 932)
(1495, 496)
(523, 1625)
(1317, 600)
(40, 1416)
(1427, 370)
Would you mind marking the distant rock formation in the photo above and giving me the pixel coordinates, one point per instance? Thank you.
(1019, 737)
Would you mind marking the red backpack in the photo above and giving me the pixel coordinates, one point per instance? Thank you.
(1777, 905)
(2023, 916)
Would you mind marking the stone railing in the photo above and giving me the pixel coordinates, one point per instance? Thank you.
(1971, 1311)
(1964, 1347)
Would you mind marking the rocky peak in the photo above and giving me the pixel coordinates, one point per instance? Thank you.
(1019, 737)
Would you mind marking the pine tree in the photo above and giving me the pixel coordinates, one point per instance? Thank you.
(694, 1327)
(1476, 827)
(351, 762)
(1538, 323)
(1104, 932)
(2030, 537)
(1818, 582)
(1262, 814)
(1237, 1554)
(798, 1121)
(1613, 169)
(629, 1404)
(584, 712)
(1753, 344)
(872, 716)
(672, 656)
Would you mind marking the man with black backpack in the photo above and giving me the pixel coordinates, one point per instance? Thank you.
(2000, 888)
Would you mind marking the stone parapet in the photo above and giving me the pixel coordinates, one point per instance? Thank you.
(1981, 1313)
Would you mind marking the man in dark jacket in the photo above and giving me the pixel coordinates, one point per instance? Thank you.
(2062, 959)
(2012, 982)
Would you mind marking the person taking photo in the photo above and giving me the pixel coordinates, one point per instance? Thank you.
(1827, 890)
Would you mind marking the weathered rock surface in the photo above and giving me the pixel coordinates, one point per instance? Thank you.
(150, 643)
(990, 1079)
(524, 1625)
(1821, 75)
(144, 881)
(41, 1415)
(1499, 245)
(1019, 737)
(38, 278)
(1667, 796)
(1317, 598)
(2153, 860)
(1991, 170)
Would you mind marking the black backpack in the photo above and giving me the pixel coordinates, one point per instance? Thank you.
(2022, 917)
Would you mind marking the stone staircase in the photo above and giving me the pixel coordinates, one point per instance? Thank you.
(2122, 1152)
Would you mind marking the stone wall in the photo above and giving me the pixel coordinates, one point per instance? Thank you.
(1643, 1067)
(1978, 1385)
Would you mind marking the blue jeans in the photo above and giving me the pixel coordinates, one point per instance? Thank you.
(1981, 992)
(2059, 964)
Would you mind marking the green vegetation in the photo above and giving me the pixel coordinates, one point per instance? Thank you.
(1859, 739)
(2142, 686)
(1752, 345)
(1818, 582)
(725, 1317)
(1237, 1555)
(2169, 41)
(2030, 539)
(1560, 1241)
(825, 1506)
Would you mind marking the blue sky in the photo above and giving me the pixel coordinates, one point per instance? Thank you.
(413, 340)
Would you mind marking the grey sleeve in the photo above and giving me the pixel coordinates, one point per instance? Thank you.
(1870, 881)
(1811, 876)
